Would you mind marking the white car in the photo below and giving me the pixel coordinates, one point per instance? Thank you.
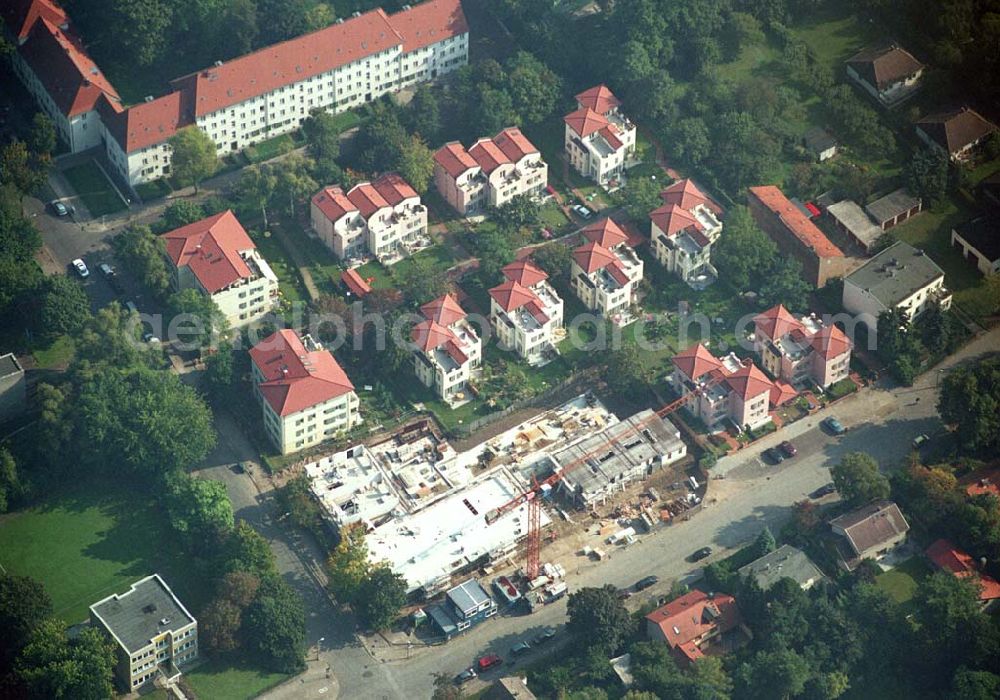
(81, 268)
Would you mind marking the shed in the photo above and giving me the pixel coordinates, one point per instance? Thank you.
(850, 218)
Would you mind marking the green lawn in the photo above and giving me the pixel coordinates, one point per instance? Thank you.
(57, 354)
(901, 583)
(220, 679)
(94, 189)
(751, 61)
(85, 544)
(835, 36)
(271, 148)
(157, 189)
(289, 281)
(347, 120)
(551, 216)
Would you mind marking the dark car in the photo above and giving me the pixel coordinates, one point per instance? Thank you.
(465, 676)
(58, 208)
(238, 468)
(834, 425)
(773, 456)
(487, 662)
(520, 649)
(701, 554)
(788, 449)
(824, 490)
(544, 637)
(644, 583)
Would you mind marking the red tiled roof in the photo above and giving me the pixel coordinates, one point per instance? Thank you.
(696, 361)
(610, 134)
(781, 393)
(72, 79)
(366, 198)
(599, 98)
(430, 334)
(488, 155)
(211, 249)
(795, 221)
(294, 379)
(428, 23)
(21, 15)
(830, 341)
(616, 270)
(605, 232)
(983, 482)
(671, 219)
(454, 158)
(956, 129)
(333, 203)
(749, 381)
(593, 256)
(524, 272)
(444, 310)
(949, 558)
(511, 295)
(776, 322)
(585, 122)
(146, 123)
(690, 617)
(355, 283)
(685, 194)
(393, 188)
(514, 144)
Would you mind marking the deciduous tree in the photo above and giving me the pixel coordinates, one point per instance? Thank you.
(24, 604)
(598, 619)
(193, 156)
(858, 479)
(970, 401)
(379, 597)
(275, 626)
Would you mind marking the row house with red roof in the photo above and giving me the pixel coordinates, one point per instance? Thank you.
(383, 218)
(726, 390)
(605, 272)
(447, 349)
(801, 350)
(239, 102)
(217, 257)
(305, 396)
(598, 138)
(682, 232)
(489, 173)
(526, 312)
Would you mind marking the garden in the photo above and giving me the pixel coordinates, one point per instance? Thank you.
(94, 188)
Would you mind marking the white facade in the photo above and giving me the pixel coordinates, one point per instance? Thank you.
(309, 427)
(244, 301)
(528, 326)
(609, 289)
(598, 139)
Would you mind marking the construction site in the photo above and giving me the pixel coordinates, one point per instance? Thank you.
(576, 480)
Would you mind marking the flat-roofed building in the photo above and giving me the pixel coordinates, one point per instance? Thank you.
(979, 241)
(464, 606)
(849, 217)
(153, 632)
(894, 208)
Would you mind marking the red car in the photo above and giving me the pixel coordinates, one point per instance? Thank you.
(487, 662)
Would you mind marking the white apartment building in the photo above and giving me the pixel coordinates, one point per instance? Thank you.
(383, 218)
(243, 101)
(490, 173)
(153, 632)
(447, 349)
(801, 350)
(605, 272)
(217, 257)
(304, 394)
(526, 312)
(598, 138)
(901, 277)
(727, 389)
(682, 232)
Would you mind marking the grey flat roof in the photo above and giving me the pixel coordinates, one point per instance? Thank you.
(892, 205)
(895, 273)
(134, 617)
(784, 562)
(9, 365)
(983, 234)
(468, 595)
(851, 216)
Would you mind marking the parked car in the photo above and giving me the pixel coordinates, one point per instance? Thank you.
(772, 456)
(700, 554)
(150, 338)
(106, 270)
(58, 208)
(544, 637)
(81, 268)
(489, 661)
(824, 490)
(238, 468)
(788, 449)
(920, 440)
(645, 583)
(465, 676)
(583, 211)
(520, 649)
(834, 425)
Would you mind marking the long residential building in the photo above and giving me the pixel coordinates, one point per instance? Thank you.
(682, 232)
(526, 312)
(447, 349)
(239, 102)
(217, 257)
(598, 138)
(801, 350)
(383, 218)
(305, 395)
(605, 272)
(797, 236)
(490, 173)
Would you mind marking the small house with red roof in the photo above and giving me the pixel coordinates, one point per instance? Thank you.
(694, 623)
(725, 389)
(598, 138)
(217, 257)
(489, 173)
(682, 232)
(950, 559)
(801, 350)
(526, 312)
(383, 218)
(605, 271)
(447, 349)
(305, 395)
